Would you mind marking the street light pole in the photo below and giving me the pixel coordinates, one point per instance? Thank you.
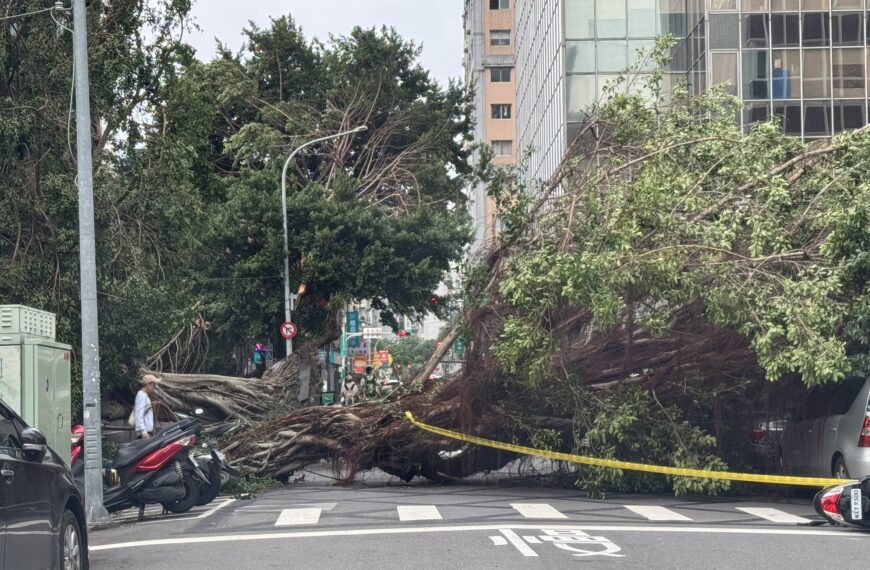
(287, 298)
(95, 511)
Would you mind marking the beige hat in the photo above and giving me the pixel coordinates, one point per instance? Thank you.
(148, 379)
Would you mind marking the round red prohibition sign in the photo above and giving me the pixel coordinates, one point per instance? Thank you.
(288, 330)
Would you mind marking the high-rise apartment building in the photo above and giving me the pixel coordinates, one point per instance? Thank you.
(489, 67)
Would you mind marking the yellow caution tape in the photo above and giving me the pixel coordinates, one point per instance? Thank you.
(631, 466)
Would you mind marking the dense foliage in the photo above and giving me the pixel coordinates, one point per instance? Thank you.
(187, 159)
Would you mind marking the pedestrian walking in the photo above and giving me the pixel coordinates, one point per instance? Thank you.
(349, 391)
(143, 411)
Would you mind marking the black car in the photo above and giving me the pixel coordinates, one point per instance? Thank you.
(42, 521)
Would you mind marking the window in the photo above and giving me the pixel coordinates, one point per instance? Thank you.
(642, 18)
(755, 79)
(500, 74)
(786, 74)
(9, 436)
(817, 119)
(817, 29)
(724, 31)
(580, 94)
(785, 30)
(612, 56)
(847, 28)
(848, 72)
(724, 69)
(611, 18)
(579, 57)
(499, 37)
(501, 111)
(848, 115)
(785, 6)
(755, 31)
(790, 116)
(817, 73)
(848, 4)
(579, 20)
(503, 148)
(755, 113)
(723, 5)
(816, 5)
(499, 4)
(754, 5)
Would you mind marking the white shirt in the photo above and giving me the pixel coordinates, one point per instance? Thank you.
(143, 413)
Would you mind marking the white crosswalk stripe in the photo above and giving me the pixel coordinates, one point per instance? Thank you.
(773, 515)
(538, 511)
(418, 513)
(291, 517)
(657, 513)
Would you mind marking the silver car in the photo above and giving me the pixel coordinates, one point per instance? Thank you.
(829, 434)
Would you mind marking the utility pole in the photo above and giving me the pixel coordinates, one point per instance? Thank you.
(93, 453)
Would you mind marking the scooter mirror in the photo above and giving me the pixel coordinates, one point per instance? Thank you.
(198, 411)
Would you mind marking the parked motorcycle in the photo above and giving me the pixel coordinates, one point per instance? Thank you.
(148, 471)
(210, 460)
(847, 504)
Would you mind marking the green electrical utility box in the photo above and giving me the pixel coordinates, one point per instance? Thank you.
(35, 373)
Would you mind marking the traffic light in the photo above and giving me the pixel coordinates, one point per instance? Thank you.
(435, 301)
(402, 333)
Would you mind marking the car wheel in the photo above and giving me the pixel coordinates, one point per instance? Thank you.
(71, 542)
(840, 471)
(191, 496)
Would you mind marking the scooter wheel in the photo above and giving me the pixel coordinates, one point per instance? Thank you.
(208, 494)
(191, 496)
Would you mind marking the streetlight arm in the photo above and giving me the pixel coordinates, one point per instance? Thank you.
(287, 298)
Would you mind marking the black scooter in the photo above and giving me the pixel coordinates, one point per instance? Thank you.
(847, 504)
(148, 471)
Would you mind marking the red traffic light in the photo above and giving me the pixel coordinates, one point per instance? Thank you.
(402, 333)
(434, 300)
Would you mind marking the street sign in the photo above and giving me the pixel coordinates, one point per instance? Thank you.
(352, 326)
(373, 332)
(288, 330)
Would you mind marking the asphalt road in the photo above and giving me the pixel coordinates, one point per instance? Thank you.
(380, 526)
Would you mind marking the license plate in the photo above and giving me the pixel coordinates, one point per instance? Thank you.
(857, 511)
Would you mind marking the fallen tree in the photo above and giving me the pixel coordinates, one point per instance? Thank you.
(671, 270)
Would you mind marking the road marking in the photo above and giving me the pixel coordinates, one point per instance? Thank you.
(532, 539)
(774, 515)
(537, 511)
(498, 540)
(282, 506)
(418, 513)
(289, 517)
(158, 512)
(657, 513)
(205, 539)
(524, 548)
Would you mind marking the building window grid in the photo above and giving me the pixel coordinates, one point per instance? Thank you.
(803, 99)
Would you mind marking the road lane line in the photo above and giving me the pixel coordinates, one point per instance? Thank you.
(514, 539)
(657, 513)
(289, 517)
(537, 511)
(774, 515)
(418, 513)
(695, 529)
(532, 539)
(498, 540)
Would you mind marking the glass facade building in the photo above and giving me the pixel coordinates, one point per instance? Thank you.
(802, 60)
(566, 52)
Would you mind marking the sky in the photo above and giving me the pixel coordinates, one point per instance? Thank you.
(436, 24)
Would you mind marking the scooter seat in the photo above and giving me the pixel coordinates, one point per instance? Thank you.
(129, 452)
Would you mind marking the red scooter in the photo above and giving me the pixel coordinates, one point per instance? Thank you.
(147, 471)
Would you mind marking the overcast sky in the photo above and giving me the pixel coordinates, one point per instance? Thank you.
(436, 24)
